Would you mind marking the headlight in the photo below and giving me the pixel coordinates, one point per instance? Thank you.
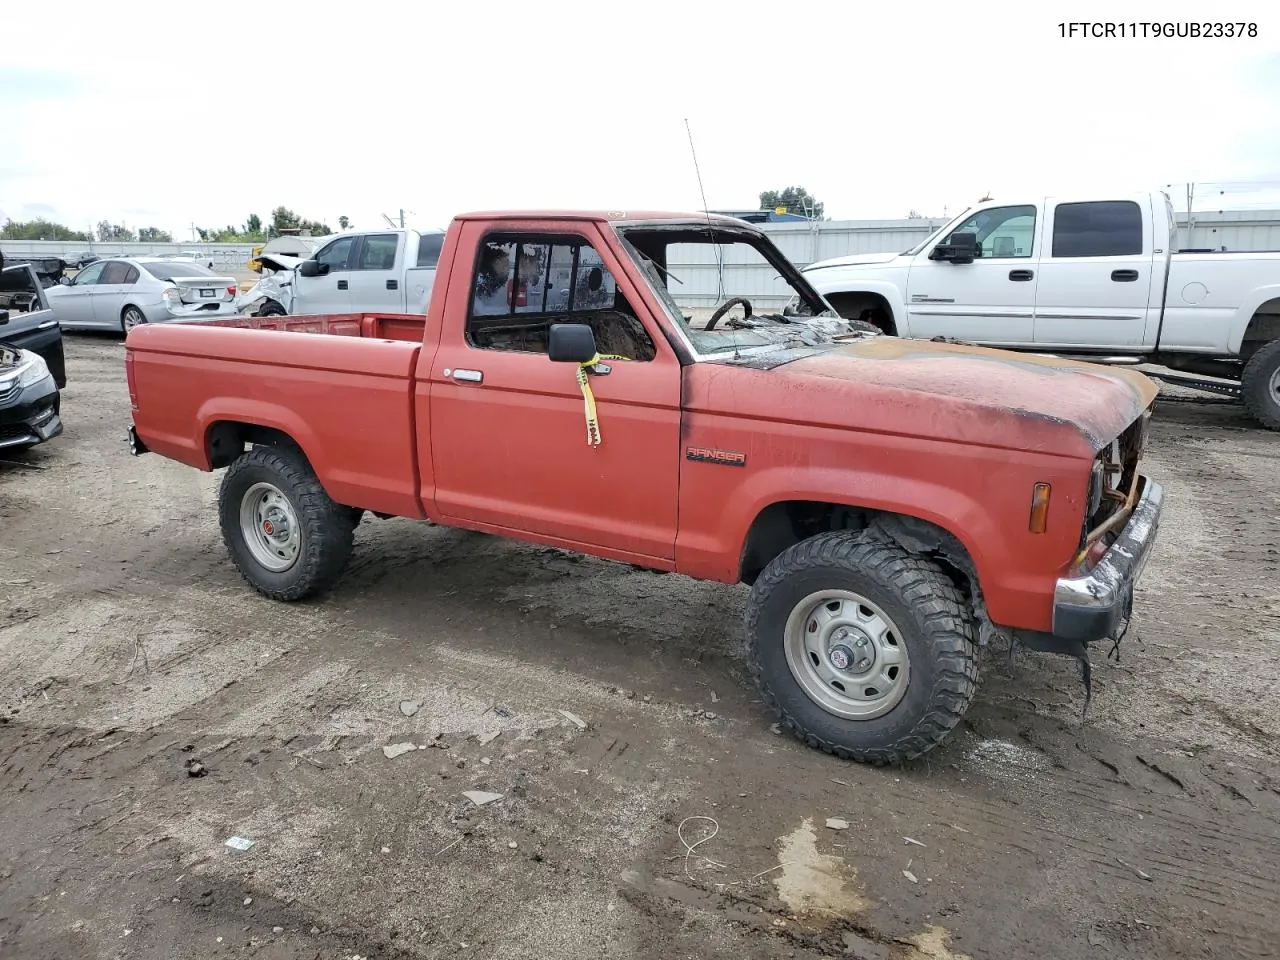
(31, 371)
(1095, 489)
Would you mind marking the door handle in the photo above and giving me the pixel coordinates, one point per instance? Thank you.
(466, 376)
(342, 284)
(1020, 274)
(1124, 276)
(393, 285)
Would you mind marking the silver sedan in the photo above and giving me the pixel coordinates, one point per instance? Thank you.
(120, 293)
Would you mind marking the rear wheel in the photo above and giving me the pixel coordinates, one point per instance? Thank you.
(271, 309)
(288, 539)
(863, 650)
(1260, 385)
(131, 317)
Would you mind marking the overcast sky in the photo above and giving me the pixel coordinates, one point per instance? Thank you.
(165, 114)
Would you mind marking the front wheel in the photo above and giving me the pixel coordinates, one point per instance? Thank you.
(271, 309)
(1260, 385)
(287, 538)
(863, 650)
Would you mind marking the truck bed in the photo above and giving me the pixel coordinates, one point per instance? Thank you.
(348, 398)
(408, 327)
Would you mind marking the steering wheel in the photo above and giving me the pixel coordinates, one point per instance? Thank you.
(725, 307)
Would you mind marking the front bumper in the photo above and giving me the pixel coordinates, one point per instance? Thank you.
(1094, 606)
(32, 416)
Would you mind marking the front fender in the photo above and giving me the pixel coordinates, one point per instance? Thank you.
(839, 282)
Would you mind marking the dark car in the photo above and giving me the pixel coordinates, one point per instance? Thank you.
(32, 365)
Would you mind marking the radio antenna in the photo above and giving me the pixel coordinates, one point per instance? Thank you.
(703, 192)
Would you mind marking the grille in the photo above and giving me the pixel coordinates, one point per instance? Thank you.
(9, 392)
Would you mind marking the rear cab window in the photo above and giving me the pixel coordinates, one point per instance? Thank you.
(429, 247)
(1104, 228)
(378, 251)
(523, 283)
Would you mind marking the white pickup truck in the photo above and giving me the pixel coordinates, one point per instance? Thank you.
(376, 271)
(1094, 279)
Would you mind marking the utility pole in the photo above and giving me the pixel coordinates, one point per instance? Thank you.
(1191, 192)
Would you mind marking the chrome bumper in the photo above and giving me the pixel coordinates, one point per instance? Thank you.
(1093, 607)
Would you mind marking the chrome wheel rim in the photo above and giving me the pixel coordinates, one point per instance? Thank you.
(269, 526)
(1275, 386)
(847, 654)
(132, 318)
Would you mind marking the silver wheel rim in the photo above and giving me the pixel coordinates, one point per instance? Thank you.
(1275, 386)
(132, 318)
(270, 527)
(847, 655)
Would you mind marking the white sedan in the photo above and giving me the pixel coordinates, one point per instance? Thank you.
(120, 293)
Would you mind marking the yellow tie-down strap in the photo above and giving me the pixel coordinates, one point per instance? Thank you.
(589, 399)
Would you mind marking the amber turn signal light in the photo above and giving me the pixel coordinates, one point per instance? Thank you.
(1039, 508)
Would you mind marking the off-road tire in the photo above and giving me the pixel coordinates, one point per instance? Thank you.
(863, 326)
(326, 527)
(933, 621)
(1255, 386)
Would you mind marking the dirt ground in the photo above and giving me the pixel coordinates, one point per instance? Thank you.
(133, 656)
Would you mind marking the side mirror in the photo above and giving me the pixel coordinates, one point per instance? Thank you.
(64, 281)
(4, 317)
(312, 268)
(959, 248)
(571, 343)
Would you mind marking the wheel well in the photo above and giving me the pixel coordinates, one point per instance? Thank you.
(1263, 327)
(869, 307)
(126, 308)
(782, 525)
(226, 439)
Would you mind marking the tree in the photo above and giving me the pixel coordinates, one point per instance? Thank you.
(797, 200)
(114, 231)
(154, 235)
(253, 225)
(344, 223)
(40, 229)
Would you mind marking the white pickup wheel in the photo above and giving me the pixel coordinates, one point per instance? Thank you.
(288, 539)
(1260, 385)
(863, 650)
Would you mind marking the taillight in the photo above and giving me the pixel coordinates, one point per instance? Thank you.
(128, 376)
(231, 293)
(173, 294)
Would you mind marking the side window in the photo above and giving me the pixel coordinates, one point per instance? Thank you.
(429, 247)
(337, 254)
(131, 275)
(1106, 228)
(523, 285)
(1002, 232)
(115, 272)
(90, 274)
(378, 252)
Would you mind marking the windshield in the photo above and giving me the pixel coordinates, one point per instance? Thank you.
(695, 271)
(931, 237)
(171, 270)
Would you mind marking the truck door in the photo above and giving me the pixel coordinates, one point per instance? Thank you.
(329, 292)
(508, 434)
(1095, 276)
(991, 300)
(377, 277)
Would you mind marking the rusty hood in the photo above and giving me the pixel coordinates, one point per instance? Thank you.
(965, 393)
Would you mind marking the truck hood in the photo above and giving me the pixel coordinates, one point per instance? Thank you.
(853, 260)
(962, 393)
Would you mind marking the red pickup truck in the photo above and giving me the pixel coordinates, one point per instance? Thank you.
(894, 504)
